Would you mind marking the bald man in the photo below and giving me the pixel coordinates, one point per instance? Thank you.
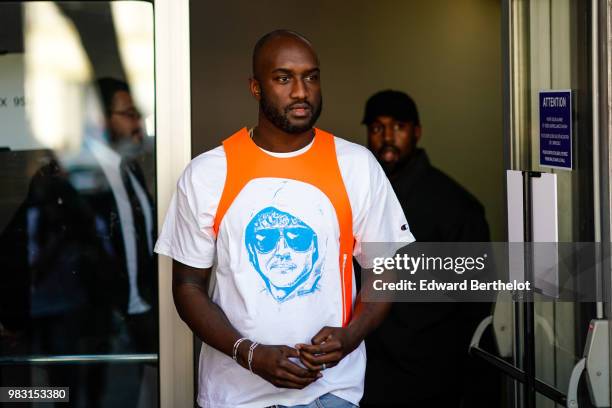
(278, 212)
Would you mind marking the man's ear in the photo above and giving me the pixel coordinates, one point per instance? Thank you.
(417, 133)
(255, 88)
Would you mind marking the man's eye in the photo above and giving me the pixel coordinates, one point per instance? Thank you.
(312, 77)
(283, 79)
(376, 129)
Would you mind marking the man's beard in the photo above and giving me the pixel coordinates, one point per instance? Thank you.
(128, 149)
(280, 119)
(388, 166)
(391, 168)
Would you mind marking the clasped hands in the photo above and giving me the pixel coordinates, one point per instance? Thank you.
(279, 364)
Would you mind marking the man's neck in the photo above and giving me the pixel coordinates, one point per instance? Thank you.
(273, 139)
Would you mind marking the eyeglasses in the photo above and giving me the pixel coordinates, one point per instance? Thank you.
(131, 113)
(297, 238)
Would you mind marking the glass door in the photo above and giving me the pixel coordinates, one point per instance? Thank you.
(78, 282)
(551, 46)
(558, 39)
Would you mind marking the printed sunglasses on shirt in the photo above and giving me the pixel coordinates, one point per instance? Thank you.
(297, 238)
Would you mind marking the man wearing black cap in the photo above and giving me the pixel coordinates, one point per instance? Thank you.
(418, 356)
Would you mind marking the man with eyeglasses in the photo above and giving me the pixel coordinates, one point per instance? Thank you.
(419, 355)
(108, 175)
(277, 212)
(124, 128)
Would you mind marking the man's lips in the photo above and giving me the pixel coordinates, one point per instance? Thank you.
(388, 153)
(300, 110)
(283, 266)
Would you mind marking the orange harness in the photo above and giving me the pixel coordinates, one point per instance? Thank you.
(318, 166)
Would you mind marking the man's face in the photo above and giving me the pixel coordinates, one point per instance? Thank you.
(392, 141)
(289, 86)
(124, 123)
(283, 249)
(287, 255)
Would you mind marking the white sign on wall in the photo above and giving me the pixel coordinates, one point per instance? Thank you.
(15, 131)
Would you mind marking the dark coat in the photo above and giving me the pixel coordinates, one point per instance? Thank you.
(437, 208)
(60, 280)
(79, 273)
(98, 195)
(418, 356)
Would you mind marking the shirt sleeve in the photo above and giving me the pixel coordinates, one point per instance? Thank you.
(187, 234)
(381, 227)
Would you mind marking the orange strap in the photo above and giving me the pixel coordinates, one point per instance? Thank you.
(318, 166)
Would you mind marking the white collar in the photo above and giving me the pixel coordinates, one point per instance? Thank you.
(285, 155)
(103, 152)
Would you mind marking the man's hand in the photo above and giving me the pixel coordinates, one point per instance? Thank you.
(272, 363)
(332, 344)
(329, 346)
(211, 325)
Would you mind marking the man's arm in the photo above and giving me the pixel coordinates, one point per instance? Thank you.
(211, 325)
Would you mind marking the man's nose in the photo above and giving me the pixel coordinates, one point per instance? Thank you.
(282, 247)
(388, 134)
(299, 90)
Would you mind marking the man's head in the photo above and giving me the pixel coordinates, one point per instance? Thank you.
(123, 120)
(286, 81)
(394, 128)
(283, 249)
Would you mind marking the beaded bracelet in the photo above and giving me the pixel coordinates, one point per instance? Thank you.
(251, 349)
(236, 345)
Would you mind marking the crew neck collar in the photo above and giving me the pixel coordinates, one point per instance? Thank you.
(284, 155)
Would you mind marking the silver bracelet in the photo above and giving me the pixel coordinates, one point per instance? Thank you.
(236, 345)
(251, 349)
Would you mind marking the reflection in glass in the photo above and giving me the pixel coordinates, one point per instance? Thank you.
(78, 285)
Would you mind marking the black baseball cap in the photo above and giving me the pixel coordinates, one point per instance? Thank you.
(396, 104)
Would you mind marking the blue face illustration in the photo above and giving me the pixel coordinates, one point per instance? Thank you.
(283, 250)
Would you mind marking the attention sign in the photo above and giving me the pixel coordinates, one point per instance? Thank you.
(556, 129)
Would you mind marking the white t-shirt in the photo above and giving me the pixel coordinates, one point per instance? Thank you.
(276, 265)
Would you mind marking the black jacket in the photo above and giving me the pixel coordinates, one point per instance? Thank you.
(419, 353)
(80, 270)
(437, 208)
(60, 276)
(98, 195)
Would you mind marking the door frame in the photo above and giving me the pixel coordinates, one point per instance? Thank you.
(173, 124)
(602, 118)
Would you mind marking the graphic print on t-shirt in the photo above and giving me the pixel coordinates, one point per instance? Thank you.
(284, 240)
(284, 250)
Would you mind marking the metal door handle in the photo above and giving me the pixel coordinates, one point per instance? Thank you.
(482, 326)
(572, 391)
(595, 364)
